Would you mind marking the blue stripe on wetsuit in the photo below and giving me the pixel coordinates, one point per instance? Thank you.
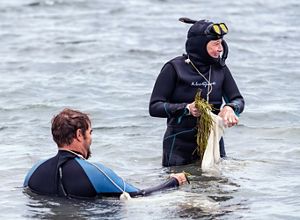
(30, 172)
(100, 182)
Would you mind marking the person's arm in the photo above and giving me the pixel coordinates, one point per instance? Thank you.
(107, 183)
(160, 105)
(232, 95)
(175, 180)
(104, 180)
(234, 100)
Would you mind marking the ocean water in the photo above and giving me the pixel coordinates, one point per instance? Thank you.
(102, 57)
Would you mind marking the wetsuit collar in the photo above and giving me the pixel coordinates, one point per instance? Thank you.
(72, 152)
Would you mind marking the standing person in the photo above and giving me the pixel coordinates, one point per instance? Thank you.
(203, 67)
(69, 174)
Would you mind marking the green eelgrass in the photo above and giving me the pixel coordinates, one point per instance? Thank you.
(204, 123)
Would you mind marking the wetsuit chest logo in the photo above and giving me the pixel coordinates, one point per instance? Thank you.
(202, 84)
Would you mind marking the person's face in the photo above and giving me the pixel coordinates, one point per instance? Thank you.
(214, 48)
(87, 141)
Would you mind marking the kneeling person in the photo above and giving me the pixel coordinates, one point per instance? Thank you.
(69, 174)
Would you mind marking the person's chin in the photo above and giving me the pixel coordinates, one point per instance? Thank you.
(215, 56)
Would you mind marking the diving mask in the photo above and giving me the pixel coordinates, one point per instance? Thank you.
(219, 29)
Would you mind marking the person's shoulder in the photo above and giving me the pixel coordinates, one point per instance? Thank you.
(43, 161)
(177, 59)
(39, 163)
(91, 166)
(33, 169)
(218, 66)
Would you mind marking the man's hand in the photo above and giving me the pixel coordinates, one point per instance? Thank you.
(181, 178)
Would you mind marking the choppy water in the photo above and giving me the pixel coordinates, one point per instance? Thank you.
(102, 57)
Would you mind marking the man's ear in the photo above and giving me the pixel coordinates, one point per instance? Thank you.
(79, 135)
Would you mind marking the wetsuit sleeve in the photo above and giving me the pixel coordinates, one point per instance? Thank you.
(160, 105)
(105, 180)
(170, 183)
(231, 93)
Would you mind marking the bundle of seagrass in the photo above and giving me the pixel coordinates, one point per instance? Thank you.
(204, 123)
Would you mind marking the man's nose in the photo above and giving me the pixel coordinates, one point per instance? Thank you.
(220, 48)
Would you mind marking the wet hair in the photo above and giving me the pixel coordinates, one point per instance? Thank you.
(65, 125)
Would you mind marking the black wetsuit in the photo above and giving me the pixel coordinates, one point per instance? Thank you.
(69, 175)
(176, 87)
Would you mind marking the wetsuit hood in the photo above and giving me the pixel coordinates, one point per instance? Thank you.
(196, 44)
